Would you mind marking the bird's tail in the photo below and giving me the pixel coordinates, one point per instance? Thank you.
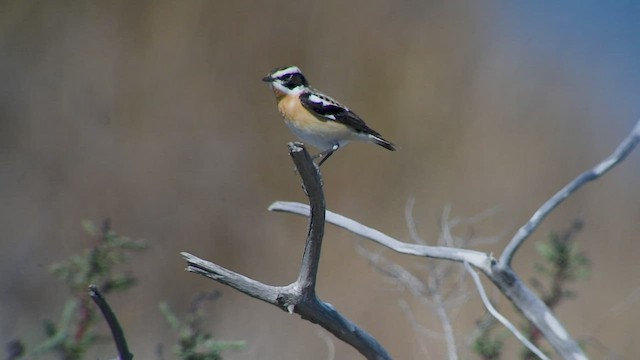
(377, 139)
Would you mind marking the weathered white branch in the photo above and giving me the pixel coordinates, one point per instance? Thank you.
(492, 310)
(300, 296)
(621, 152)
(476, 258)
(504, 278)
(499, 272)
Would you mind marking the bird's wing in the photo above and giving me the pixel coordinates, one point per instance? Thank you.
(327, 109)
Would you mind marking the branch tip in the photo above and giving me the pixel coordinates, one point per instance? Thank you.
(112, 321)
(295, 147)
(626, 146)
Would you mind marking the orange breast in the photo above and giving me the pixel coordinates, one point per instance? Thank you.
(298, 116)
(292, 110)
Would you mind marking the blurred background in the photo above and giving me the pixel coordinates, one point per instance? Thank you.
(152, 114)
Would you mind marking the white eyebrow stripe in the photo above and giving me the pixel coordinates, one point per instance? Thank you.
(289, 70)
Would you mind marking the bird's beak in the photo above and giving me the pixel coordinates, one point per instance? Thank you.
(267, 78)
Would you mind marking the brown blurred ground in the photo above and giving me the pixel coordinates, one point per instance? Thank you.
(152, 114)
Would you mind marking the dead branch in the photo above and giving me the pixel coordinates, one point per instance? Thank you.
(621, 152)
(492, 310)
(112, 321)
(499, 271)
(300, 296)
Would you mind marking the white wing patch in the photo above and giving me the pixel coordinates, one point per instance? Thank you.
(323, 99)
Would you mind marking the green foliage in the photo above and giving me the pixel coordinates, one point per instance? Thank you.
(563, 264)
(488, 342)
(487, 346)
(72, 335)
(96, 265)
(193, 342)
(63, 338)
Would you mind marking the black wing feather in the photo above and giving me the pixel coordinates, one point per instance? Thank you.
(331, 110)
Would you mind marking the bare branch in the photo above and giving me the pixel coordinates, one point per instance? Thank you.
(621, 152)
(526, 301)
(492, 310)
(421, 290)
(237, 281)
(411, 223)
(475, 258)
(536, 311)
(112, 321)
(500, 272)
(443, 315)
(409, 314)
(330, 345)
(312, 184)
(300, 296)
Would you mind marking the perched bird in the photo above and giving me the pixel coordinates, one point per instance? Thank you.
(316, 118)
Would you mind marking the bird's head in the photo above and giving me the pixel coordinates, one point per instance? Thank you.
(287, 80)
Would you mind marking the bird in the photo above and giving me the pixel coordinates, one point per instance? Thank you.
(316, 118)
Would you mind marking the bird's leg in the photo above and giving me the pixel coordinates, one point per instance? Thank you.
(327, 153)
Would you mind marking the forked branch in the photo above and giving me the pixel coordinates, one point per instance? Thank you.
(492, 310)
(300, 296)
(621, 152)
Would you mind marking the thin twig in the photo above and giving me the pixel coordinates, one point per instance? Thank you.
(331, 347)
(413, 319)
(499, 317)
(420, 290)
(112, 321)
(417, 327)
(621, 152)
(300, 296)
(443, 315)
(411, 224)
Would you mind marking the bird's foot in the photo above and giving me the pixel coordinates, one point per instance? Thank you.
(326, 154)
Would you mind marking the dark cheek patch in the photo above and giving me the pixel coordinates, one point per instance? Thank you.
(298, 80)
